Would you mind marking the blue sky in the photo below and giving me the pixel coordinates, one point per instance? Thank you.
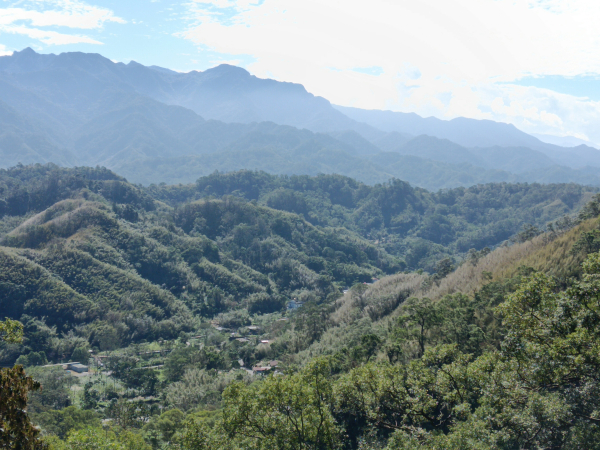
(582, 86)
(141, 30)
(532, 63)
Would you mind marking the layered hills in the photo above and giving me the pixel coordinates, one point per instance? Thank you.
(83, 247)
(154, 125)
(462, 316)
(181, 290)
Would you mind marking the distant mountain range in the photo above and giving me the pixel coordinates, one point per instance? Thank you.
(563, 141)
(155, 125)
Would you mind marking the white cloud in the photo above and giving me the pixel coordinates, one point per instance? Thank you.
(29, 18)
(50, 37)
(438, 57)
(543, 111)
(4, 51)
(63, 13)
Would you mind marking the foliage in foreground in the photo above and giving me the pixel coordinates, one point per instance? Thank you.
(16, 430)
(105, 266)
(539, 390)
(537, 387)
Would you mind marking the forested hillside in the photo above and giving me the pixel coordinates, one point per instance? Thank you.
(83, 249)
(92, 251)
(179, 298)
(212, 239)
(420, 226)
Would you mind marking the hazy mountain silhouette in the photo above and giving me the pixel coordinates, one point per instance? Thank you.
(463, 131)
(24, 141)
(226, 93)
(392, 141)
(472, 133)
(511, 159)
(153, 124)
(107, 113)
(563, 141)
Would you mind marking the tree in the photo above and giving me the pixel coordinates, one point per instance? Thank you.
(457, 323)
(62, 422)
(98, 439)
(80, 354)
(198, 435)
(16, 430)
(11, 331)
(290, 412)
(56, 389)
(128, 414)
(369, 343)
(419, 317)
(587, 243)
(540, 390)
(91, 396)
(163, 427)
(528, 233)
(430, 392)
(444, 268)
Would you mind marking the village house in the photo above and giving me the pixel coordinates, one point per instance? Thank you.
(77, 367)
(293, 304)
(259, 370)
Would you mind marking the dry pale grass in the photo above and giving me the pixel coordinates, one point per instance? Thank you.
(384, 298)
(469, 278)
(542, 253)
(55, 210)
(378, 300)
(64, 218)
(358, 312)
(554, 258)
(373, 310)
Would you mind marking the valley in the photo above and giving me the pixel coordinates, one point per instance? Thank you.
(212, 260)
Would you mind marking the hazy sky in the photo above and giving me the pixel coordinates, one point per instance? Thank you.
(533, 63)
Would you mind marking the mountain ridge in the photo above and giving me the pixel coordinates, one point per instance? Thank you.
(84, 109)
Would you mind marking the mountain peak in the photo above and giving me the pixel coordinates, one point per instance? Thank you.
(26, 52)
(23, 55)
(27, 60)
(222, 69)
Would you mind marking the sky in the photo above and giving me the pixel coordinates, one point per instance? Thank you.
(532, 63)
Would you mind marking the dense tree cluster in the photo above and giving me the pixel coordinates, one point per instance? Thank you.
(16, 430)
(536, 389)
(183, 290)
(421, 226)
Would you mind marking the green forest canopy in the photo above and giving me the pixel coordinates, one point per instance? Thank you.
(91, 262)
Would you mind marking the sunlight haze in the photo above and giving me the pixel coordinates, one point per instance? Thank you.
(510, 61)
